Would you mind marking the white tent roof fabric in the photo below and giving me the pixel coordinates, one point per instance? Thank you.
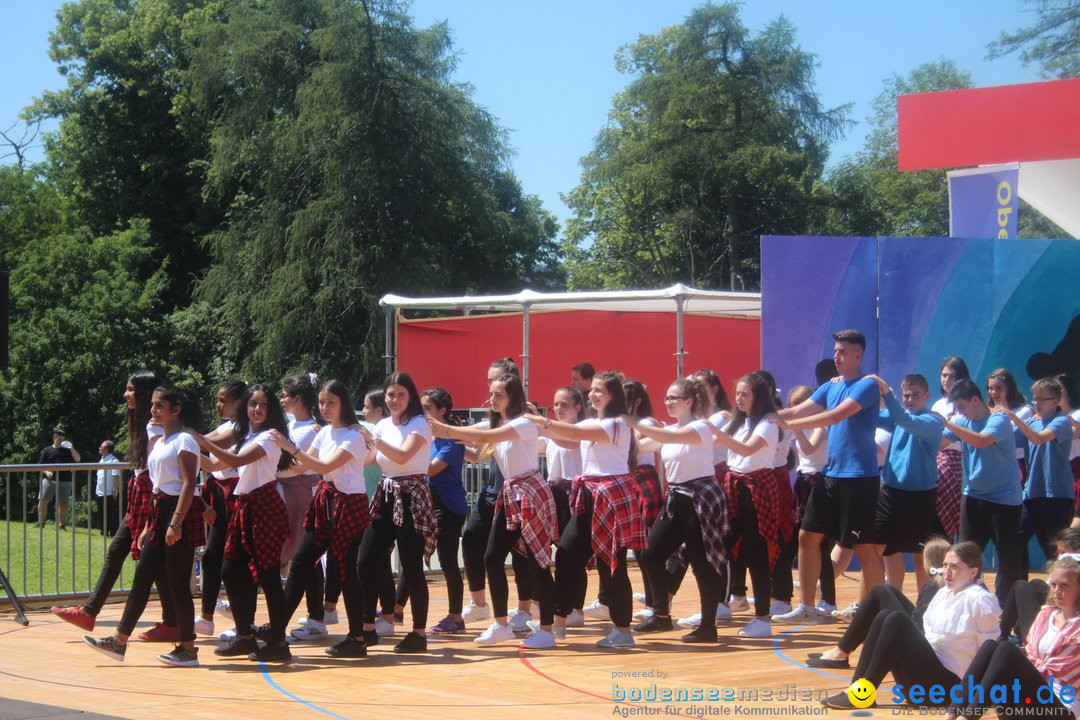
(1052, 188)
(708, 302)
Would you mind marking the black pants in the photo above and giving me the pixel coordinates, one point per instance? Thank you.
(169, 566)
(118, 551)
(305, 564)
(1002, 663)
(783, 584)
(665, 537)
(449, 540)
(243, 594)
(474, 540)
(109, 514)
(982, 521)
(881, 598)
(214, 556)
(562, 514)
(754, 552)
(376, 542)
(896, 644)
(1021, 606)
(1043, 518)
(332, 589)
(500, 543)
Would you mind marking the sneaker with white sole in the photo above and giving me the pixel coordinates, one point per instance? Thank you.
(310, 630)
(779, 607)
(539, 639)
(801, 615)
(825, 608)
(723, 612)
(475, 613)
(180, 657)
(847, 613)
(576, 618)
(227, 635)
(738, 603)
(596, 610)
(107, 646)
(640, 598)
(519, 621)
(690, 622)
(204, 626)
(330, 617)
(558, 632)
(644, 613)
(756, 629)
(617, 639)
(495, 633)
(383, 627)
(224, 608)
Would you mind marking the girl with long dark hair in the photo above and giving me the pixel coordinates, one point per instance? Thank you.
(1003, 393)
(950, 469)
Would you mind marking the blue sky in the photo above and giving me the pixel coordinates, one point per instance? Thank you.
(546, 69)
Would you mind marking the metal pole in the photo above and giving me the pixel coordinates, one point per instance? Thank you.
(388, 352)
(525, 349)
(679, 351)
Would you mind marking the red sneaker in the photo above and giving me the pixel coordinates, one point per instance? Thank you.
(77, 616)
(161, 633)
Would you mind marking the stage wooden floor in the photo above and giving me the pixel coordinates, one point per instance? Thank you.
(48, 663)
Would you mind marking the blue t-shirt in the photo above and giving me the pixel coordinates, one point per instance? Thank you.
(990, 473)
(1049, 473)
(852, 452)
(912, 461)
(447, 483)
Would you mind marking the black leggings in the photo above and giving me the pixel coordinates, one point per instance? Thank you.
(1021, 606)
(376, 542)
(303, 566)
(881, 598)
(215, 554)
(982, 521)
(115, 556)
(243, 594)
(449, 539)
(1042, 518)
(169, 566)
(474, 540)
(754, 551)
(500, 543)
(562, 513)
(665, 537)
(1002, 663)
(896, 644)
(574, 551)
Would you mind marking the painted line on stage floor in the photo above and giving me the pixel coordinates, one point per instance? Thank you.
(270, 681)
(785, 658)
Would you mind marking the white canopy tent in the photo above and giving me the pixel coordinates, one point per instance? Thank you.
(678, 298)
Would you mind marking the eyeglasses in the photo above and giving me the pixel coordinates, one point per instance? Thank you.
(673, 398)
(1039, 399)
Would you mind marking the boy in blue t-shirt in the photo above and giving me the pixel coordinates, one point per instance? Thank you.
(1049, 496)
(842, 505)
(990, 506)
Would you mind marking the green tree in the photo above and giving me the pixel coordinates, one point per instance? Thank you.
(718, 139)
(1053, 41)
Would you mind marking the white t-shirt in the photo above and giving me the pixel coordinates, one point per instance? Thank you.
(882, 441)
(396, 435)
(814, 463)
(153, 434)
(349, 478)
(226, 426)
(1075, 450)
(264, 470)
(302, 433)
(945, 409)
(719, 420)
(763, 458)
(516, 457)
(562, 462)
(1021, 448)
(164, 462)
(606, 458)
(683, 461)
(783, 444)
(649, 458)
(108, 481)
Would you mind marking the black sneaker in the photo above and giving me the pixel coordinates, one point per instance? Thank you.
(107, 646)
(265, 632)
(702, 634)
(181, 657)
(271, 653)
(414, 642)
(655, 623)
(237, 647)
(371, 638)
(348, 648)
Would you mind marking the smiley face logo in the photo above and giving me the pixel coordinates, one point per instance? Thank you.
(862, 693)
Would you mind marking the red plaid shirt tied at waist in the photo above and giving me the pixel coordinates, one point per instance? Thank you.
(336, 519)
(616, 514)
(140, 498)
(650, 491)
(423, 509)
(534, 514)
(192, 529)
(765, 494)
(212, 485)
(260, 526)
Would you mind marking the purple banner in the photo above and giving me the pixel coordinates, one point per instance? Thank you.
(983, 202)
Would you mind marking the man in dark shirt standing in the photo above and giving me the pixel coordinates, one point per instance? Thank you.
(56, 484)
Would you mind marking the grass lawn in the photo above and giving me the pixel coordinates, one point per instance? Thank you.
(47, 562)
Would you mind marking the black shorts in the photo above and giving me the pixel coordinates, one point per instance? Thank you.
(906, 519)
(843, 509)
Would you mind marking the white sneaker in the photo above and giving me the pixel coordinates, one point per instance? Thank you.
(310, 630)
(204, 626)
(825, 608)
(690, 622)
(558, 632)
(801, 615)
(617, 639)
(519, 621)
(738, 603)
(330, 617)
(227, 635)
(534, 608)
(723, 612)
(756, 629)
(224, 608)
(383, 627)
(495, 633)
(779, 607)
(475, 613)
(847, 613)
(639, 598)
(576, 618)
(539, 639)
(644, 613)
(596, 610)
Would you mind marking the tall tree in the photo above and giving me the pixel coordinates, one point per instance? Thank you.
(1053, 41)
(718, 139)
